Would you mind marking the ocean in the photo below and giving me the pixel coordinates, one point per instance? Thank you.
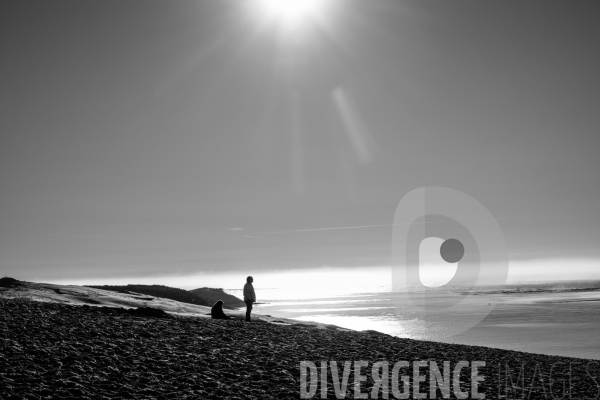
(557, 318)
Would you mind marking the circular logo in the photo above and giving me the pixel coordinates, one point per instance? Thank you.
(448, 252)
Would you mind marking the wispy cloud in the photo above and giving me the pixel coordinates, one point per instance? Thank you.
(330, 229)
(236, 229)
(335, 228)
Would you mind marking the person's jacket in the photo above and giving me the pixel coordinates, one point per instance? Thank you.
(249, 292)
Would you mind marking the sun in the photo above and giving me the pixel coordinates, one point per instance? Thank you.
(290, 13)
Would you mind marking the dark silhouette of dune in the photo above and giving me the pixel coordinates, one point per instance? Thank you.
(215, 295)
(9, 282)
(203, 296)
(183, 296)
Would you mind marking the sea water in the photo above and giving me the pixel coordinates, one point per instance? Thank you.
(559, 318)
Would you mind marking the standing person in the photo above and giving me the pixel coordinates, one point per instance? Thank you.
(249, 296)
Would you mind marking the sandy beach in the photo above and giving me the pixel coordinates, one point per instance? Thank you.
(62, 351)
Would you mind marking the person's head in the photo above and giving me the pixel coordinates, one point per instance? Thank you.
(250, 279)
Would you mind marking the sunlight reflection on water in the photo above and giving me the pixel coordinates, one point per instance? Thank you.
(526, 318)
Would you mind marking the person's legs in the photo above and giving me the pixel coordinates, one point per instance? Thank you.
(248, 309)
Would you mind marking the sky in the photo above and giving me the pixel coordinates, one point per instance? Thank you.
(159, 140)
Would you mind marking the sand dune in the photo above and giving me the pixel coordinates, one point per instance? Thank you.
(83, 295)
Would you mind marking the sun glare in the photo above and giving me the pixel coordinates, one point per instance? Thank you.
(289, 12)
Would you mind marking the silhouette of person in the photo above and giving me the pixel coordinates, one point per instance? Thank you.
(249, 296)
(216, 312)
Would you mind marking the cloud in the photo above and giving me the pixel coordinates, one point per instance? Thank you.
(335, 228)
(330, 229)
(236, 229)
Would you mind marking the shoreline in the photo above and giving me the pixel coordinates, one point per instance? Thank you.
(492, 332)
(57, 351)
